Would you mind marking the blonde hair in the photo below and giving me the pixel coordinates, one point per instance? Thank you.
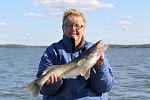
(73, 12)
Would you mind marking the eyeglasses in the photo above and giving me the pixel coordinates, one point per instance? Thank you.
(76, 26)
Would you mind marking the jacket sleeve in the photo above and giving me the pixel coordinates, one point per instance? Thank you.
(102, 80)
(49, 58)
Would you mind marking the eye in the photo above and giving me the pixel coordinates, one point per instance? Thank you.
(76, 26)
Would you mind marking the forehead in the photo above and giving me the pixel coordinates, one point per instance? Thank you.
(73, 20)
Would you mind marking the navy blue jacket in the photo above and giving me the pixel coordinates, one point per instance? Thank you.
(63, 52)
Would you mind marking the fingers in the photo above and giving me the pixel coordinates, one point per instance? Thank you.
(48, 81)
(102, 51)
(100, 60)
(52, 79)
(56, 78)
(102, 57)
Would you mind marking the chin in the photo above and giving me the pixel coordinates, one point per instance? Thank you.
(74, 36)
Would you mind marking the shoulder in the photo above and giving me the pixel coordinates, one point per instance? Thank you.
(54, 46)
(52, 50)
(88, 44)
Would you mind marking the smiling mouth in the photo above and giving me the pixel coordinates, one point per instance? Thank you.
(73, 34)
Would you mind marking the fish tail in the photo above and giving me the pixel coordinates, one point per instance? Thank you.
(33, 87)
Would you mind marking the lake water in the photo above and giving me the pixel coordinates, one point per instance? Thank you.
(131, 68)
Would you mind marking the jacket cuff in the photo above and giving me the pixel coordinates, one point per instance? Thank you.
(100, 67)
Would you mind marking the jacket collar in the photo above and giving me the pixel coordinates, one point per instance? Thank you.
(69, 43)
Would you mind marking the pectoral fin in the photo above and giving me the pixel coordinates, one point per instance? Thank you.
(94, 70)
(85, 72)
(81, 62)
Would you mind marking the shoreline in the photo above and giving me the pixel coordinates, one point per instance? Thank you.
(110, 46)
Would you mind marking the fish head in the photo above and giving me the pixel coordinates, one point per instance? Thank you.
(96, 51)
(97, 48)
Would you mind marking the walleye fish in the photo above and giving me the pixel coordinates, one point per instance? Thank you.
(78, 66)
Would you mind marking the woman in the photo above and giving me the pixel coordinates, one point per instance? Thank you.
(71, 46)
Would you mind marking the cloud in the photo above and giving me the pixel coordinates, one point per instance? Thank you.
(4, 25)
(2, 17)
(33, 14)
(57, 6)
(127, 17)
(2, 36)
(125, 21)
(12, 27)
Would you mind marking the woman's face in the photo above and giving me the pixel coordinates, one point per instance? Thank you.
(74, 26)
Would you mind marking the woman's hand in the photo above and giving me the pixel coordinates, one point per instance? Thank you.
(100, 61)
(52, 79)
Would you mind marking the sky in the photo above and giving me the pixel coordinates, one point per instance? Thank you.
(38, 22)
